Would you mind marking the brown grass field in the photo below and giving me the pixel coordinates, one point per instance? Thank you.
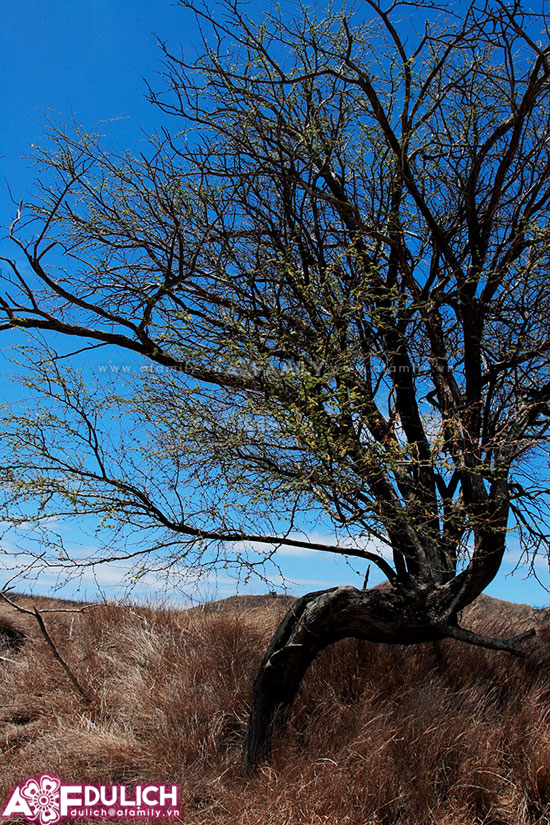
(442, 734)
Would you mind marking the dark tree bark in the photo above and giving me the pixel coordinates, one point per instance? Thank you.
(322, 618)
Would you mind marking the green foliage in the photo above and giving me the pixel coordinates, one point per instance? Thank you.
(332, 280)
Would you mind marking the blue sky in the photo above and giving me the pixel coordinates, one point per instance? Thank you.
(81, 58)
(87, 59)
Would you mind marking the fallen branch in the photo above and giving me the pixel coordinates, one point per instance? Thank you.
(84, 694)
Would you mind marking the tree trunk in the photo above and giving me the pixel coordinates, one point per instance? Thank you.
(316, 621)
(319, 619)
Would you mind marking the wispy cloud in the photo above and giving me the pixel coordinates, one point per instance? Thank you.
(364, 543)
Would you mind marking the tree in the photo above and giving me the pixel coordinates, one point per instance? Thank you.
(337, 272)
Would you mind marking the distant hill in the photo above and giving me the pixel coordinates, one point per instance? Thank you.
(485, 615)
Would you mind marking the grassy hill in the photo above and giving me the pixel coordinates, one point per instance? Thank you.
(379, 735)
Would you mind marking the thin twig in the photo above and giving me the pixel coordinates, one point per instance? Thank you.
(11, 661)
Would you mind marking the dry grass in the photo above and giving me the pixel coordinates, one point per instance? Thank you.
(433, 734)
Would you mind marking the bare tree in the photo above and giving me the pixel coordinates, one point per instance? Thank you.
(337, 272)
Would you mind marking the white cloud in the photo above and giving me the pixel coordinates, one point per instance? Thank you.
(365, 543)
(513, 558)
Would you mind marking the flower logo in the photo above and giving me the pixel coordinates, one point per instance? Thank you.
(43, 797)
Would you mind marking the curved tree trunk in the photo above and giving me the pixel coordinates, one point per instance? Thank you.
(322, 618)
(314, 622)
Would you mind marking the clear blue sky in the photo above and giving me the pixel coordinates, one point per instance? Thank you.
(87, 60)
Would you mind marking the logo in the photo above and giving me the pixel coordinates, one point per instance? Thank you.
(46, 800)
